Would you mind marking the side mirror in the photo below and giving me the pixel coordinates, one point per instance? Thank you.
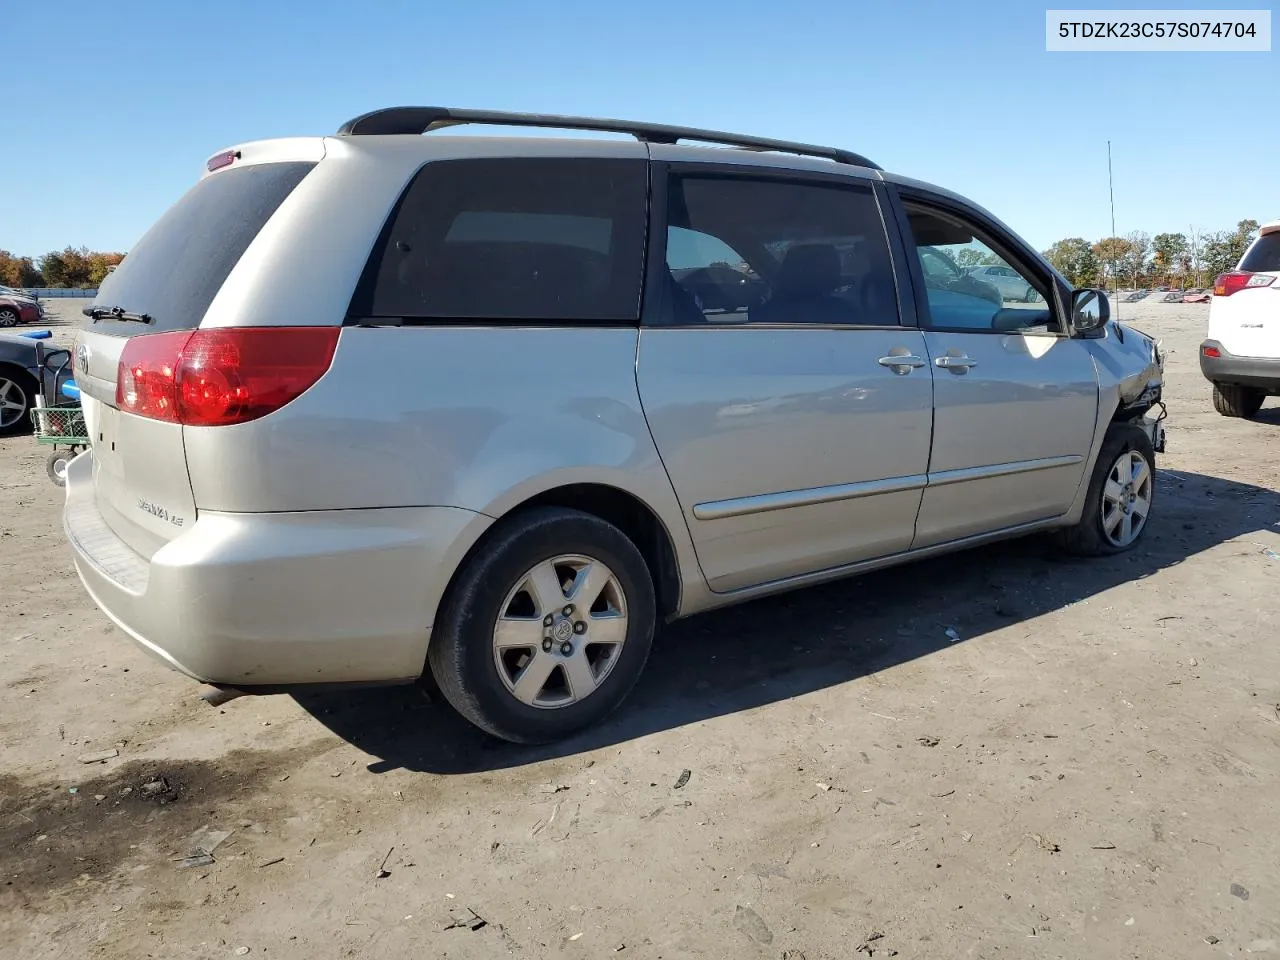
(1090, 310)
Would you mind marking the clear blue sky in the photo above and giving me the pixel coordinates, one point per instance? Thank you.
(112, 108)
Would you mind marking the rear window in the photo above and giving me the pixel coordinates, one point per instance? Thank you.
(1263, 256)
(176, 269)
(511, 240)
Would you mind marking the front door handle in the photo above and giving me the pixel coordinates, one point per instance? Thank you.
(956, 364)
(901, 364)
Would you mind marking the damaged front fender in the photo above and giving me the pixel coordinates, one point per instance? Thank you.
(1130, 369)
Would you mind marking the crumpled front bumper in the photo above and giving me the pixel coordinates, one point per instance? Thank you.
(1154, 428)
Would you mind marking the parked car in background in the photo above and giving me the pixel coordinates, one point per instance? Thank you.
(942, 275)
(1196, 295)
(16, 309)
(1005, 279)
(566, 449)
(20, 381)
(18, 292)
(1241, 353)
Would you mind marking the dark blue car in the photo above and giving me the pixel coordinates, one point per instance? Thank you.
(20, 376)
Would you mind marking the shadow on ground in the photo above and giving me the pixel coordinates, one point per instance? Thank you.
(787, 646)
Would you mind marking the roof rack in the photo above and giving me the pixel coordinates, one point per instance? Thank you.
(400, 120)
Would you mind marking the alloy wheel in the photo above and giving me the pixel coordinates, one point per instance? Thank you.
(560, 632)
(1126, 498)
(13, 402)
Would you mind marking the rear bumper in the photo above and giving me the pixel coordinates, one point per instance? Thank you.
(283, 599)
(1260, 372)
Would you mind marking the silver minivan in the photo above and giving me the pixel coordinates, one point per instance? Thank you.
(377, 405)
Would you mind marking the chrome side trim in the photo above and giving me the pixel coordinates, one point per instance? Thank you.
(764, 502)
(944, 477)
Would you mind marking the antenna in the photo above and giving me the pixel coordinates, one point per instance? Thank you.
(1112, 190)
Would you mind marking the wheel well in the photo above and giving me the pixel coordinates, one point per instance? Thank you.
(630, 515)
(19, 373)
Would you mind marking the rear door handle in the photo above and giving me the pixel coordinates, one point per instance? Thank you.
(901, 365)
(956, 364)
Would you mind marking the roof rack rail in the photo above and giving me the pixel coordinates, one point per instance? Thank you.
(402, 120)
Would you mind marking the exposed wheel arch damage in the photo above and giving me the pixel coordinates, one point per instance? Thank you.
(1130, 369)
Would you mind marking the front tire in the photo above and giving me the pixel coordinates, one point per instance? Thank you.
(546, 628)
(1234, 400)
(1121, 492)
(8, 317)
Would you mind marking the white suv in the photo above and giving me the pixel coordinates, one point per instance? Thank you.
(1241, 355)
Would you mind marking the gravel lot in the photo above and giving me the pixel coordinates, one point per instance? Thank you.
(1090, 772)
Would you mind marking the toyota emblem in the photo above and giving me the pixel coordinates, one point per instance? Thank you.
(82, 358)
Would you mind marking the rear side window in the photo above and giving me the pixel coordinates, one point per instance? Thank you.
(747, 250)
(511, 240)
(176, 269)
(1263, 256)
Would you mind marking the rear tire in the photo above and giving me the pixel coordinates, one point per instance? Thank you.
(1234, 400)
(546, 628)
(1119, 490)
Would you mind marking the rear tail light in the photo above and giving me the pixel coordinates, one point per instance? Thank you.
(1237, 280)
(209, 378)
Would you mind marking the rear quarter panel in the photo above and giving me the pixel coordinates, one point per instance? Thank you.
(481, 418)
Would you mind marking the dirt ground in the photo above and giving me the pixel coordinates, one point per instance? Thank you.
(1091, 771)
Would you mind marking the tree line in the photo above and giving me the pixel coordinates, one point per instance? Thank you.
(72, 267)
(1183, 260)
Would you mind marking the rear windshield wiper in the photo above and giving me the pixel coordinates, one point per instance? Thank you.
(116, 313)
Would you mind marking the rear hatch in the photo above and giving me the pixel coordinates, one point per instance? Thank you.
(1247, 300)
(163, 287)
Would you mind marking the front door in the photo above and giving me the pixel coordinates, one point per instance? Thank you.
(1015, 399)
(791, 409)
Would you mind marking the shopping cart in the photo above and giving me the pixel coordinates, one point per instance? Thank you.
(58, 416)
